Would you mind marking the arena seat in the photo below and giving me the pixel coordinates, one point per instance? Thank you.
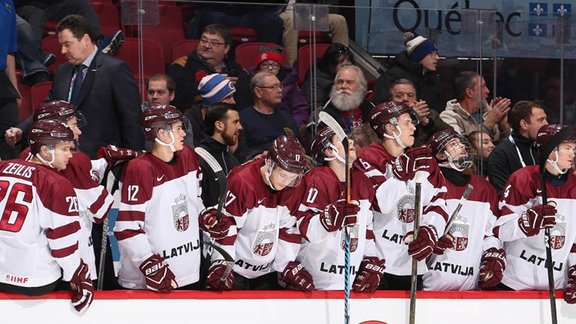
(304, 58)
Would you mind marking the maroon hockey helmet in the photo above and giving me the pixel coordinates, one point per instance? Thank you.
(60, 110)
(48, 132)
(550, 136)
(438, 142)
(388, 113)
(159, 116)
(322, 140)
(287, 153)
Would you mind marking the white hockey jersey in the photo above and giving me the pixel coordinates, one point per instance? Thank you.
(394, 208)
(94, 201)
(264, 238)
(158, 214)
(322, 252)
(457, 269)
(526, 256)
(39, 228)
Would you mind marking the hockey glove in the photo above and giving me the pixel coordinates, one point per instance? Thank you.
(158, 276)
(370, 274)
(533, 219)
(217, 229)
(444, 242)
(414, 159)
(220, 275)
(82, 288)
(113, 154)
(338, 215)
(492, 266)
(570, 288)
(296, 277)
(423, 246)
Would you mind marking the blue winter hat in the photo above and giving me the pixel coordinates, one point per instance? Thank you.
(418, 47)
(214, 88)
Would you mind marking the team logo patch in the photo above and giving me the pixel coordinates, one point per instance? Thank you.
(405, 208)
(180, 213)
(558, 233)
(353, 238)
(264, 242)
(460, 233)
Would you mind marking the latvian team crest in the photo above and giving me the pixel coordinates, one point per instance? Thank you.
(264, 242)
(460, 233)
(558, 234)
(405, 208)
(353, 237)
(180, 214)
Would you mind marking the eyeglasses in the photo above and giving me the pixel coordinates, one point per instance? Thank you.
(278, 86)
(210, 43)
(268, 65)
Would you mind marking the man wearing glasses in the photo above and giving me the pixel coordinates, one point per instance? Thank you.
(262, 122)
(210, 57)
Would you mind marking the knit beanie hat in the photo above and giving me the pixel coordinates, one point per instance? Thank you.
(214, 88)
(418, 47)
(267, 52)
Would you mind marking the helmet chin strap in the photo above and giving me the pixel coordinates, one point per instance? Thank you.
(171, 144)
(459, 164)
(268, 174)
(396, 137)
(336, 155)
(554, 163)
(48, 163)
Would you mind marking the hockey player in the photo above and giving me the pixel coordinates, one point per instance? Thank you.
(468, 255)
(523, 217)
(157, 226)
(94, 201)
(39, 229)
(391, 167)
(262, 238)
(324, 213)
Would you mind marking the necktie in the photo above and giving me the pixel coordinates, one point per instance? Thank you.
(77, 85)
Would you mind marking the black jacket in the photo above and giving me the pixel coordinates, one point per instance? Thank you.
(504, 159)
(210, 189)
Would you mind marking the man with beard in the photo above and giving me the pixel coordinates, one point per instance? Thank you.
(262, 122)
(470, 110)
(222, 129)
(347, 104)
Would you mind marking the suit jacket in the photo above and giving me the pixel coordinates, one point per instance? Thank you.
(109, 100)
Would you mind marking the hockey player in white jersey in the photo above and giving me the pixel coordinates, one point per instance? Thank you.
(94, 200)
(39, 229)
(468, 255)
(324, 214)
(157, 225)
(260, 213)
(523, 217)
(391, 166)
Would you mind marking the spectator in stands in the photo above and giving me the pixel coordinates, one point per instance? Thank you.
(9, 95)
(417, 63)
(222, 131)
(262, 122)
(483, 147)
(336, 56)
(519, 149)
(210, 57)
(338, 29)
(403, 90)
(32, 61)
(263, 18)
(347, 102)
(37, 12)
(214, 88)
(293, 102)
(471, 95)
(363, 136)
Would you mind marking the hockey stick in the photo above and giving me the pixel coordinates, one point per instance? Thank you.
(222, 184)
(333, 124)
(549, 262)
(414, 275)
(456, 211)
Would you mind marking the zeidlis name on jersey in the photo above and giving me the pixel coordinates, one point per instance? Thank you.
(179, 250)
(19, 170)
